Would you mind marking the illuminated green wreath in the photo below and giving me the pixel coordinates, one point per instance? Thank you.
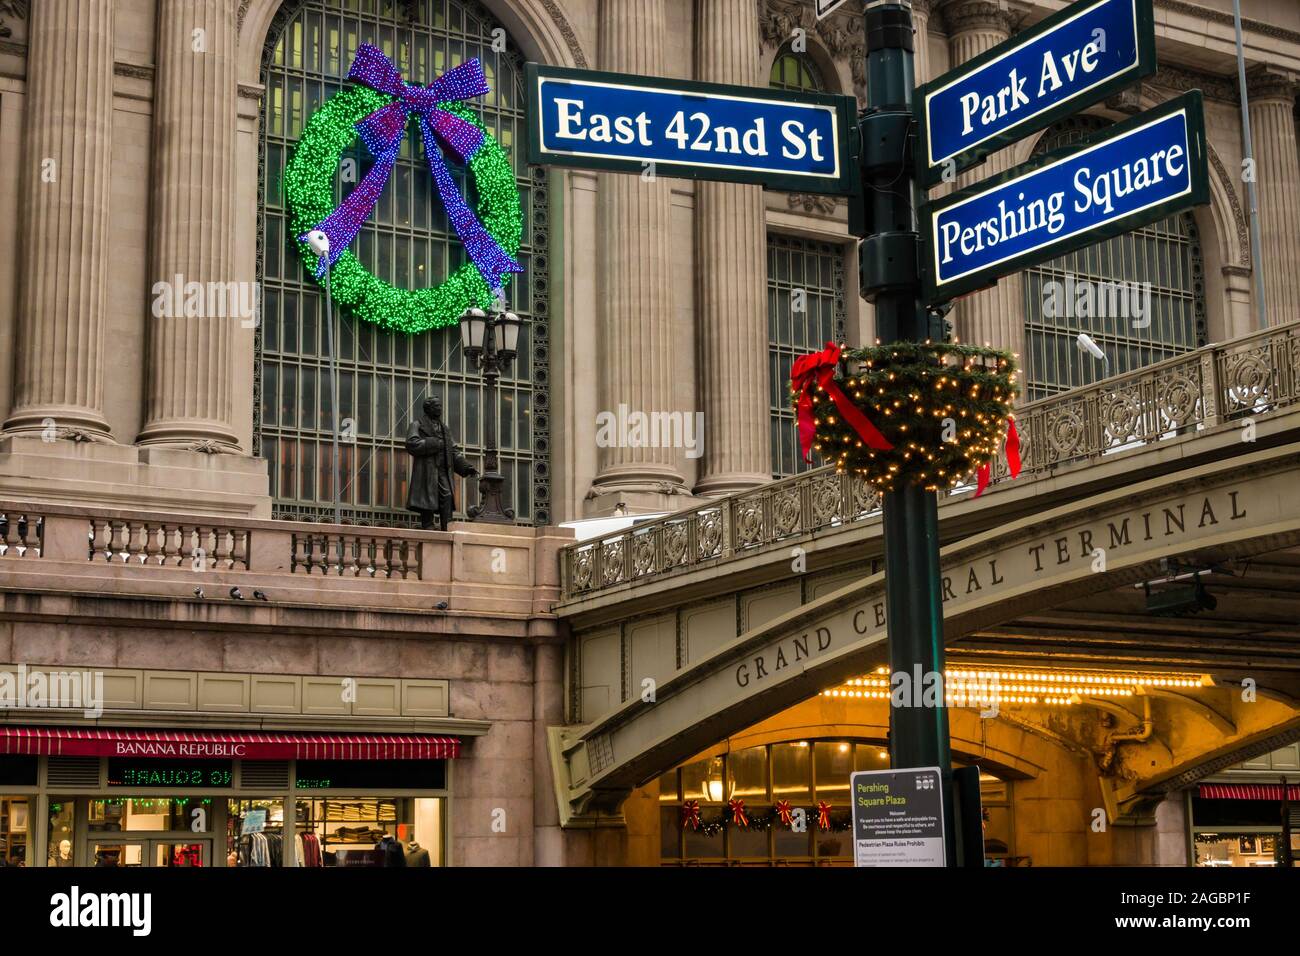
(378, 111)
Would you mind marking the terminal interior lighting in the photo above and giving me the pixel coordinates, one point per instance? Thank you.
(978, 686)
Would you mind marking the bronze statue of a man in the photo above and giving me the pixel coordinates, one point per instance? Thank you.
(434, 457)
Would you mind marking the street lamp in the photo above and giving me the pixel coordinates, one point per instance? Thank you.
(490, 340)
(1086, 344)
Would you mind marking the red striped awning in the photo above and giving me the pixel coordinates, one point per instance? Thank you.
(96, 742)
(1247, 791)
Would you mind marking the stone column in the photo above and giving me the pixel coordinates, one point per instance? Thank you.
(1277, 167)
(920, 41)
(195, 127)
(636, 345)
(59, 369)
(995, 316)
(731, 284)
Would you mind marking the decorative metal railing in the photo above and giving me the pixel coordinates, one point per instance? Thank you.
(1246, 377)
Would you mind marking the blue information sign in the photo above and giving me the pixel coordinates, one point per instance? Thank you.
(1073, 58)
(1132, 174)
(593, 120)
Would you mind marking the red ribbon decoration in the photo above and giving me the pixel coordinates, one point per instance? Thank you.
(784, 812)
(817, 370)
(823, 815)
(691, 814)
(738, 812)
(984, 474)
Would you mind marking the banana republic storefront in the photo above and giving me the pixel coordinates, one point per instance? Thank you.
(75, 796)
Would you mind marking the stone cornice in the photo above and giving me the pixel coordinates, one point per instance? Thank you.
(1225, 18)
(1180, 80)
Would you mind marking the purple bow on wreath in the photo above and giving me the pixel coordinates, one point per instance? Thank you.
(382, 133)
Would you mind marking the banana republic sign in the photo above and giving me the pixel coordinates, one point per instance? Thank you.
(1090, 547)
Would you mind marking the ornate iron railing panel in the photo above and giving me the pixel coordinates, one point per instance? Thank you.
(1250, 376)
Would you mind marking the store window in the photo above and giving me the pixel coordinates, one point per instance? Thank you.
(16, 840)
(237, 813)
(805, 310)
(1242, 816)
(696, 798)
(1140, 296)
(407, 241)
(15, 814)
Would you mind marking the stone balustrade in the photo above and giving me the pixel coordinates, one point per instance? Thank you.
(21, 534)
(1225, 384)
(490, 569)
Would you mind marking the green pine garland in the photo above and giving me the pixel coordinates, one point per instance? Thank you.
(943, 406)
(309, 194)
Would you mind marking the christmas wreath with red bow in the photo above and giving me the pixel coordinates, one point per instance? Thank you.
(922, 413)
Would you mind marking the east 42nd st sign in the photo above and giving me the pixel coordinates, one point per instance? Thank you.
(650, 125)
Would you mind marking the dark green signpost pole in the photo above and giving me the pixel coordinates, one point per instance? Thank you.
(890, 278)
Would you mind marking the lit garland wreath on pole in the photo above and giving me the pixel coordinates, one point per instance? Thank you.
(377, 109)
(918, 413)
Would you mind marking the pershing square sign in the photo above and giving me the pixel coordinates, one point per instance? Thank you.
(1133, 174)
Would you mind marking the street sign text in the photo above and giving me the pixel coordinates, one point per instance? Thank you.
(1070, 60)
(694, 130)
(1134, 174)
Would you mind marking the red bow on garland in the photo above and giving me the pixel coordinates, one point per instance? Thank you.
(823, 815)
(817, 370)
(738, 812)
(691, 814)
(985, 472)
(784, 812)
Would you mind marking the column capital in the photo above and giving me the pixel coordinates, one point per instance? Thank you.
(1264, 82)
(965, 16)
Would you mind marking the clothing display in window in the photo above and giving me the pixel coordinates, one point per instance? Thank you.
(309, 853)
(417, 855)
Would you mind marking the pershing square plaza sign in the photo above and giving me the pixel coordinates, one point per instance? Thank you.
(898, 817)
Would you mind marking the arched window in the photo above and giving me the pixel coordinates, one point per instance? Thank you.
(1140, 296)
(795, 71)
(407, 241)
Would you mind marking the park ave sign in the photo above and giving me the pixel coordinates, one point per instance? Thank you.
(1071, 59)
(1243, 506)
